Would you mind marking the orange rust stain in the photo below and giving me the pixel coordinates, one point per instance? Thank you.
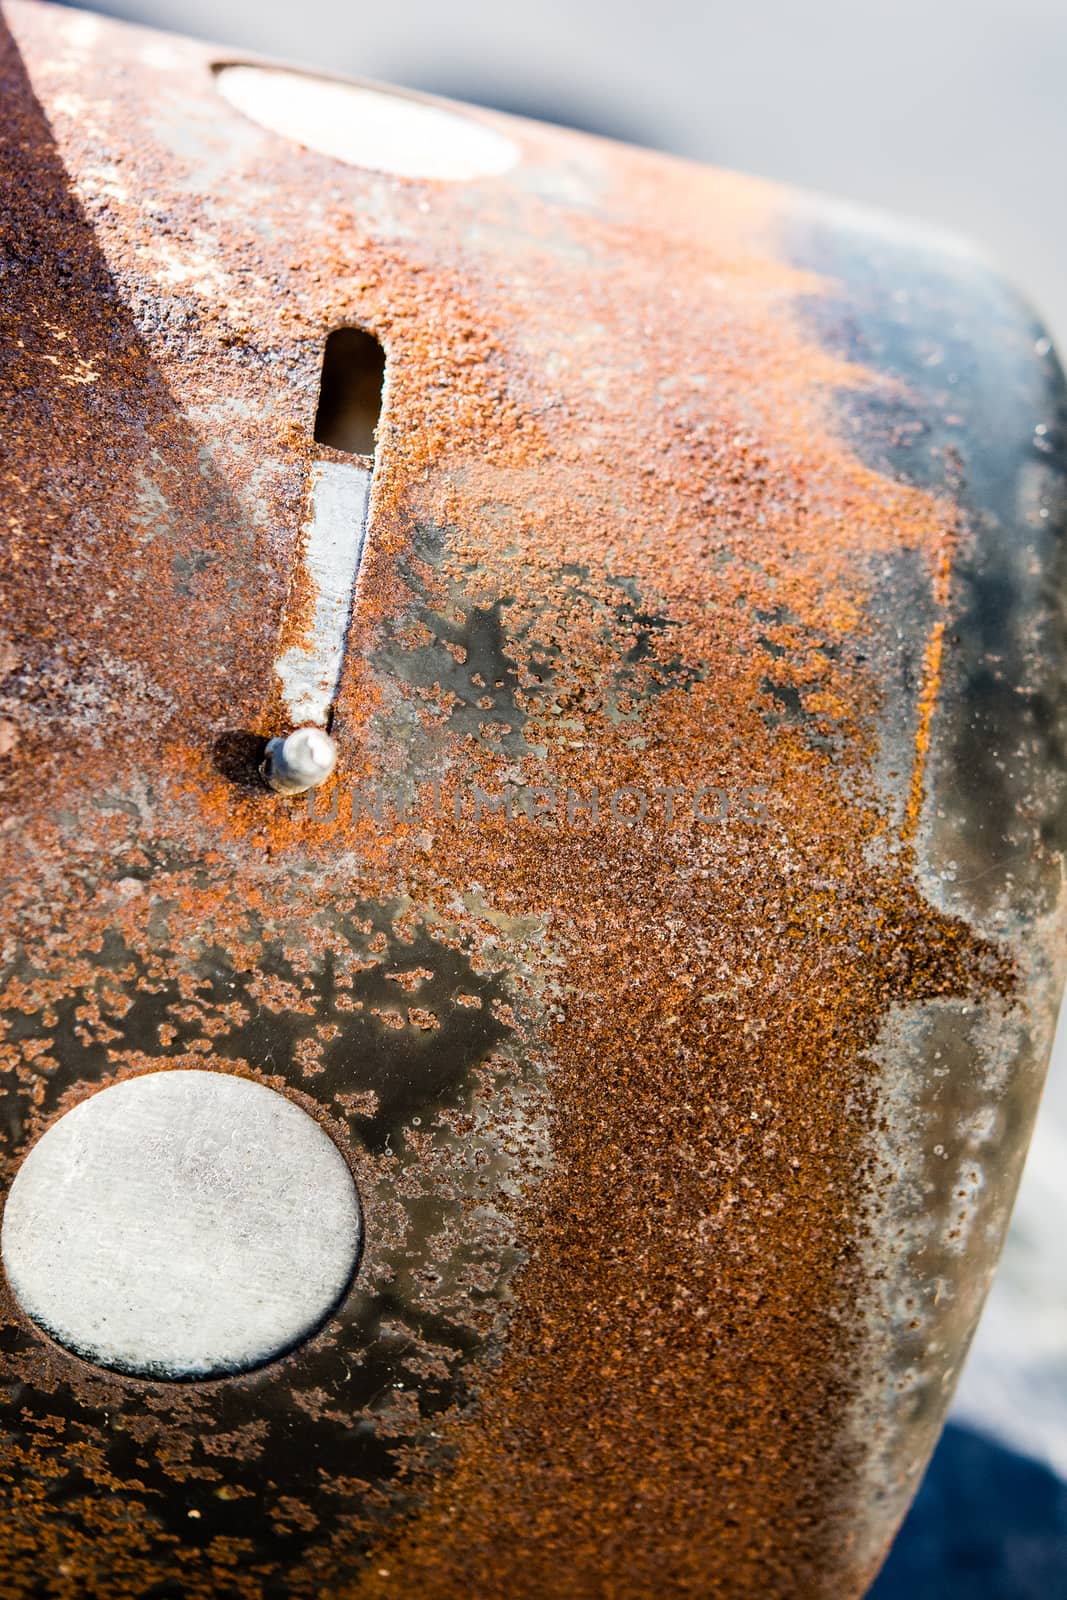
(928, 693)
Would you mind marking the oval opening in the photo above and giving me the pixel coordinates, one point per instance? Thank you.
(367, 127)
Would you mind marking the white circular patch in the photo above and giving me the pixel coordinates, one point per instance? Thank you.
(181, 1225)
(367, 127)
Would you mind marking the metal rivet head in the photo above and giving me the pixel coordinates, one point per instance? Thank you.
(302, 760)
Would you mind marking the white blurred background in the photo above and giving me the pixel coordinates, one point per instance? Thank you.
(949, 110)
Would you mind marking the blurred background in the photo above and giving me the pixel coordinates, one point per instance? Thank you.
(950, 110)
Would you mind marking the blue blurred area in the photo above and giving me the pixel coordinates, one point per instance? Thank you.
(988, 1524)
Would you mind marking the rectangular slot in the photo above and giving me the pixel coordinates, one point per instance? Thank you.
(312, 646)
(350, 394)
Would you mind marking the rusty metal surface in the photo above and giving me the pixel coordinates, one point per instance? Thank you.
(685, 1135)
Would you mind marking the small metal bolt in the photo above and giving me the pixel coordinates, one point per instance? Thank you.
(301, 761)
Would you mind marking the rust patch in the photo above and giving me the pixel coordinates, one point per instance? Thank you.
(929, 692)
(606, 1080)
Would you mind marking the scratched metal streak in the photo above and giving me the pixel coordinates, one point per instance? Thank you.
(331, 550)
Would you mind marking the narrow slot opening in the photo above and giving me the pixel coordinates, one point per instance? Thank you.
(350, 393)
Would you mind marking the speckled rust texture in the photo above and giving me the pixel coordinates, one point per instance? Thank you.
(605, 1080)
